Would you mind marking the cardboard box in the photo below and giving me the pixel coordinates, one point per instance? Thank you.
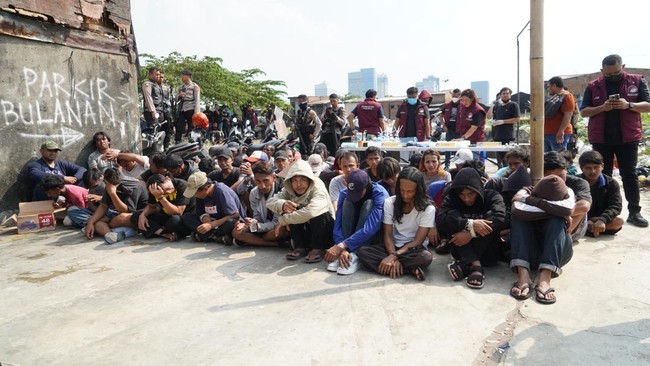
(35, 216)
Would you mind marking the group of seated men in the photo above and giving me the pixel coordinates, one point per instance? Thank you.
(374, 214)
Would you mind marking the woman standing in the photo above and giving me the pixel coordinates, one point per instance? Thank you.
(470, 124)
(432, 169)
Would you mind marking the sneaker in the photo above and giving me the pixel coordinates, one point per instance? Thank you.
(333, 266)
(637, 220)
(354, 266)
(67, 222)
(113, 237)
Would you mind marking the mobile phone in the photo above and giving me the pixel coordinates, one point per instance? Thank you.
(615, 97)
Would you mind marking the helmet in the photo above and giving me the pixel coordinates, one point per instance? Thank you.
(200, 120)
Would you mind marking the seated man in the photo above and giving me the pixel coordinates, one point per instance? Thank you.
(281, 160)
(228, 175)
(133, 165)
(179, 168)
(165, 206)
(218, 210)
(76, 199)
(514, 159)
(473, 216)
(607, 202)
(408, 218)
(49, 164)
(306, 209)
(373, 157)
(156, 166)
(540, 239)
(260, 229)
(347, 163)
(358, 222)
(555, 163)
(123, 197)
(388, 170)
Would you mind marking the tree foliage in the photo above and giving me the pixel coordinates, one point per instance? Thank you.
(218, 84)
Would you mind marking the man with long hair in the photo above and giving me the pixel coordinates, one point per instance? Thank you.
(408, 217)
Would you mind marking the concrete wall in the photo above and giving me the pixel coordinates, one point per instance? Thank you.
(52, 91)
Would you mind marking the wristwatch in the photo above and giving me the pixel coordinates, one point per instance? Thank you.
(630, 105)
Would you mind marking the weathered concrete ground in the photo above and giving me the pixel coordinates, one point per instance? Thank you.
(69, 301)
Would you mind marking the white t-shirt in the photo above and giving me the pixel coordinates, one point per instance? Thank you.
(137, 170)
(336, 186)
(405, 232)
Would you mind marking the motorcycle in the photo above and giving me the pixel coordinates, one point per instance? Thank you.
(153, 138)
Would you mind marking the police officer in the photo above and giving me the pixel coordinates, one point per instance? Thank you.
(333, 121)
(167, 108)
(153, 99)
(308, 124)
(189, 99)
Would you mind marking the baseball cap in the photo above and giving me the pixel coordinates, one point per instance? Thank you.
(462, 156)
(224, 153)
(257, 156)
(194, 182)
(281, 154)
(50, 145)
(233, 145)
(316, 163)
(357, 181)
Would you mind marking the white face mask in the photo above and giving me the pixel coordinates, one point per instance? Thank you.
(454, 100)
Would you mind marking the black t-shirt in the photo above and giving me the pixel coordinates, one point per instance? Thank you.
(372, 177)
(580, 187)
(411, 117)
(229, 181)
(131, 192)
(613, 134)
(176, 198)
(505, 133)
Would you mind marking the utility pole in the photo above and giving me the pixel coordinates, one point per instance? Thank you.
(537, 89)
(519, 91)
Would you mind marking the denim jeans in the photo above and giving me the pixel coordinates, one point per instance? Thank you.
(550, 144)
(541, 244)
(353, 221)
(79, 216)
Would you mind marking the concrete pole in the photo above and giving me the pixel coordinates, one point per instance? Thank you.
(536, 89)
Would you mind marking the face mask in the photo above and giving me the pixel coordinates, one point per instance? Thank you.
(454, 100)
(303, 105)
(614, 78)
(412, 101)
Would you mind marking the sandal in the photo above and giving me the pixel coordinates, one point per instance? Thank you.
(542, 299)
(521, 289)
(456, 270)
(195, 237)
(296, 254)
(473, 277)
(418, 273)
(315, 256)
(443, 248)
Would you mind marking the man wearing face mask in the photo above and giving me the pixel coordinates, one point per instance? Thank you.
(308, 124)
(412, 118)
(448, 120)
(614, 103)
(504, 114)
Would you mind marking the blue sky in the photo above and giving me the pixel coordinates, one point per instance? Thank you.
(306, 42)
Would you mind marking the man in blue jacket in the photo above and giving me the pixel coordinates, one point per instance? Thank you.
(359, 215)
(49, 164)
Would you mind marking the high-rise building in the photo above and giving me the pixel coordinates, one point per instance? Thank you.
(360, 81)
(321, 90)
(430, 84)
(482, 90)
(382, 85)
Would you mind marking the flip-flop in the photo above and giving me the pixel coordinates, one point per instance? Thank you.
(521, 289)
(296, 254)
(315, 256)
(542, 299)
(418, 273)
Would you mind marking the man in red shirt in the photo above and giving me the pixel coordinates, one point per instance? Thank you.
(370, 115)
(76, 198)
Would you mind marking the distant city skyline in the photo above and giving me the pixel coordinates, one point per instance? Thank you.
(482, 90)
(430, 84)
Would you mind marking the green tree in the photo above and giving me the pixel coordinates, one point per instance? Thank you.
(218, 84)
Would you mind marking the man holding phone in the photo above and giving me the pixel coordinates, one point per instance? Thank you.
(614, 103)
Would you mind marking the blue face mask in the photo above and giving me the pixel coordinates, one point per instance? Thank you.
(412, 101)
